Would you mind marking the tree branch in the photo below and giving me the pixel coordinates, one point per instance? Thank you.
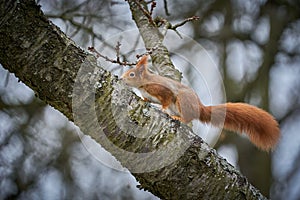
(67, 78)
(153, 39)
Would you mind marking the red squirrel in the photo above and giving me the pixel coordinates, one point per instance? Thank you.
(261, 128)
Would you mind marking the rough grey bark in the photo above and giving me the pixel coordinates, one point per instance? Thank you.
(67, 78)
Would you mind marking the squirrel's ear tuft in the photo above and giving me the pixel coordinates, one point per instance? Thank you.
(143, 62)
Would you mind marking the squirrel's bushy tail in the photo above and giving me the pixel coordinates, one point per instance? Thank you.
(261, 128)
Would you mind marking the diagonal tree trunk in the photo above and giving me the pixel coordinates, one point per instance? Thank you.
(164, 156)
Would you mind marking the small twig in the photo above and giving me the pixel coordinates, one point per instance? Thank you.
(117, 61)
(184, 21)
(166, 8)
(167, 25)
(153, 5)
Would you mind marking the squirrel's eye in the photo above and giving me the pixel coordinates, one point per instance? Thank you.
(132, 74)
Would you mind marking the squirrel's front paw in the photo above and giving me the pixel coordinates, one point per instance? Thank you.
(176, 117)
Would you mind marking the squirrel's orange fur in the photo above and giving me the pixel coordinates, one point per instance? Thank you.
(183, 103)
